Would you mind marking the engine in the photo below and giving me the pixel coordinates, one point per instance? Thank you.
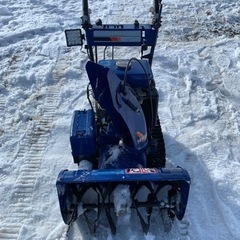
(138, 75)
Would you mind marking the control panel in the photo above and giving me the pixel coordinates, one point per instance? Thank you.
(121, 35)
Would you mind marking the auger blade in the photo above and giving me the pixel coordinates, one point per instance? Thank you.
(166, 188)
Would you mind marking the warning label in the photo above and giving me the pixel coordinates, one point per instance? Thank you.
(141, 171)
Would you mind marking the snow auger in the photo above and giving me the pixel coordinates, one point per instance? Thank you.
(120, 136)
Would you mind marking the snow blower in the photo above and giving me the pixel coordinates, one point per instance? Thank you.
(120, 135)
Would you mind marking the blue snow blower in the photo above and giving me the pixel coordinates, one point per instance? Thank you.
(120, 134)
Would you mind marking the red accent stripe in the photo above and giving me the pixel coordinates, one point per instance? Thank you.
(115, 39)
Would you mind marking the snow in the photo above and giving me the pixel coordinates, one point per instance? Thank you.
(197, 71)
(122, 200)
(85, 165)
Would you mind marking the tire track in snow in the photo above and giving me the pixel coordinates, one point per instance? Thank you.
(2, 106)
(31, 150)
(10, 62)
(20, 203)
(10, 231)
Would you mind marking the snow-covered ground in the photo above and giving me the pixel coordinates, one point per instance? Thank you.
(197, 71)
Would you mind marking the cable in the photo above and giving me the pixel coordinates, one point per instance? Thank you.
(145, 72)
(88, 96)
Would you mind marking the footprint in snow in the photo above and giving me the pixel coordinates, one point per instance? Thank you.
(223, 62)
(224, 91)
(211, 86)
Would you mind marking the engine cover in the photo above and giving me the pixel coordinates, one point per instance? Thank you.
(136, 75)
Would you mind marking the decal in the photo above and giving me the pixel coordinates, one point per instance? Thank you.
(141, 171)
(141, 137)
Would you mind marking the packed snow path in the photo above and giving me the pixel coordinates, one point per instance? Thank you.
(197, 70)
